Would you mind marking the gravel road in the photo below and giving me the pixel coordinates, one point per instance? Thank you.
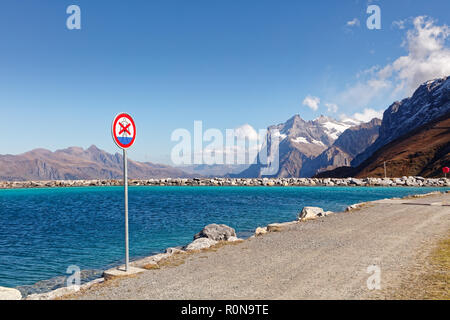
(325, 258)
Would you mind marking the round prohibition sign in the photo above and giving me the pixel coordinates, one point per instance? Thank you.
(123, 130)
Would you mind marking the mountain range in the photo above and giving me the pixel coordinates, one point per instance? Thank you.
(76, 163)
(412, 138)
(308, 147)
(320, 146)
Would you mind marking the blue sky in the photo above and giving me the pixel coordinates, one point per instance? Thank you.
(226, 63)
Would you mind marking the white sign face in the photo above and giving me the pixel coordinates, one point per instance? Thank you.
(124, 130)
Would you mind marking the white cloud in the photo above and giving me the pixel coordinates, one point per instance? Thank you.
(427, 58)
(368, 72)
(312, 102)
(246, 131)
(353, 23)
(363, 93)
(331, 107)
(399, 24)
(368, 114)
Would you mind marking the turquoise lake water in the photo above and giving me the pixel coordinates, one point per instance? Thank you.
(43, 231)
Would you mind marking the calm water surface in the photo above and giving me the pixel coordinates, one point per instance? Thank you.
(43, 231)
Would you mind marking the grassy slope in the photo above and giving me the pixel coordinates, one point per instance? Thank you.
(433, 280)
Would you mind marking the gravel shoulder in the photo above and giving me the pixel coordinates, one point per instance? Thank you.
(326, 258)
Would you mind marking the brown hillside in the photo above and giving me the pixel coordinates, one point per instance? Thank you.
(421, 152)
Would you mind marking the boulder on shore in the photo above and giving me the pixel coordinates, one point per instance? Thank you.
(260, 231)
(275, 227)
(308, 213)
(10, 294)
(216, 232)
(200, 243)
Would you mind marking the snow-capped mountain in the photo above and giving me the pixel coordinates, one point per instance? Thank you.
(318, 133)
(345, 148)
(334, 128)
(301, 141)
(429, 102)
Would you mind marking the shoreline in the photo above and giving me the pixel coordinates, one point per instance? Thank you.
(153, 261)
(244, 182)
(192, 277)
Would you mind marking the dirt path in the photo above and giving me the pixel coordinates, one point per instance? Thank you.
(322, 259)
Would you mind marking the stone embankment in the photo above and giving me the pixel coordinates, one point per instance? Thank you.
(385, 182)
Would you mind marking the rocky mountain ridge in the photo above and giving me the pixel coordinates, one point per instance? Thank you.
(429, 102)
(309, 146)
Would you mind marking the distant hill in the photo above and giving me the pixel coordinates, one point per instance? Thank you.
(421, 152)
(76, 163)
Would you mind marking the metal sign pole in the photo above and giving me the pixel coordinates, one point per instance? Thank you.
(125, 183)
(124, 134)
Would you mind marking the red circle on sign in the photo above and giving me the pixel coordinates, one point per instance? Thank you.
(123, 141)
(446, 169)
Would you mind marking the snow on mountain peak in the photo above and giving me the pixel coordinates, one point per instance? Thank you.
(322, 131)
(334, 128)
(351, 121)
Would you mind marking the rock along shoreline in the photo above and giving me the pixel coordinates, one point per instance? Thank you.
(250, 182)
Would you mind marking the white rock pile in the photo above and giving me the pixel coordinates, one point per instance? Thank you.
(366, 182)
